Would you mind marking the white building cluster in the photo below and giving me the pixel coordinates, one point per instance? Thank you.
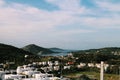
(50, 66)
(97, 65)
(27, 72)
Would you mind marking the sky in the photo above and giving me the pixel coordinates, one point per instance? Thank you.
(67, 24)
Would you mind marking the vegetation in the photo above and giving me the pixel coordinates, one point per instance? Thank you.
(36, 49)
(10, 53)
(107, 50)
(109, 55)
(92, 76)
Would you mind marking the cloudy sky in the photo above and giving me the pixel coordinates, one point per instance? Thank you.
(69, 24)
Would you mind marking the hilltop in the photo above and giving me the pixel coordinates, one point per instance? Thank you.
(37, 50)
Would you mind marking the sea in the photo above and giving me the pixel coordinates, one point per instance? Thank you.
(56, 54)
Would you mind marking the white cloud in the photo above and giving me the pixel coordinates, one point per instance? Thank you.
(24, 18)
(29, 18)
(108, 5)
(106, 22)
(71, 6)
(66, 4)
(17, 19)
(2, 2)
(30, 24)
(106, 19)
(74, 32)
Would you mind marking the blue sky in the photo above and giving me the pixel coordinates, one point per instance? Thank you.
(69, 24)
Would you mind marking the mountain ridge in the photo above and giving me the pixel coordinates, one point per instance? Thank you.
(105, 50)
(37, 50)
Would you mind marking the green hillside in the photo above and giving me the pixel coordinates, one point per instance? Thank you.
(11, 53)
(107, 50)
(110, 55)
(36, 49)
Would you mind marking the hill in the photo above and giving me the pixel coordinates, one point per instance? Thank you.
(111, 55)
(107, 50)
(8, 52)
(37, 50)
